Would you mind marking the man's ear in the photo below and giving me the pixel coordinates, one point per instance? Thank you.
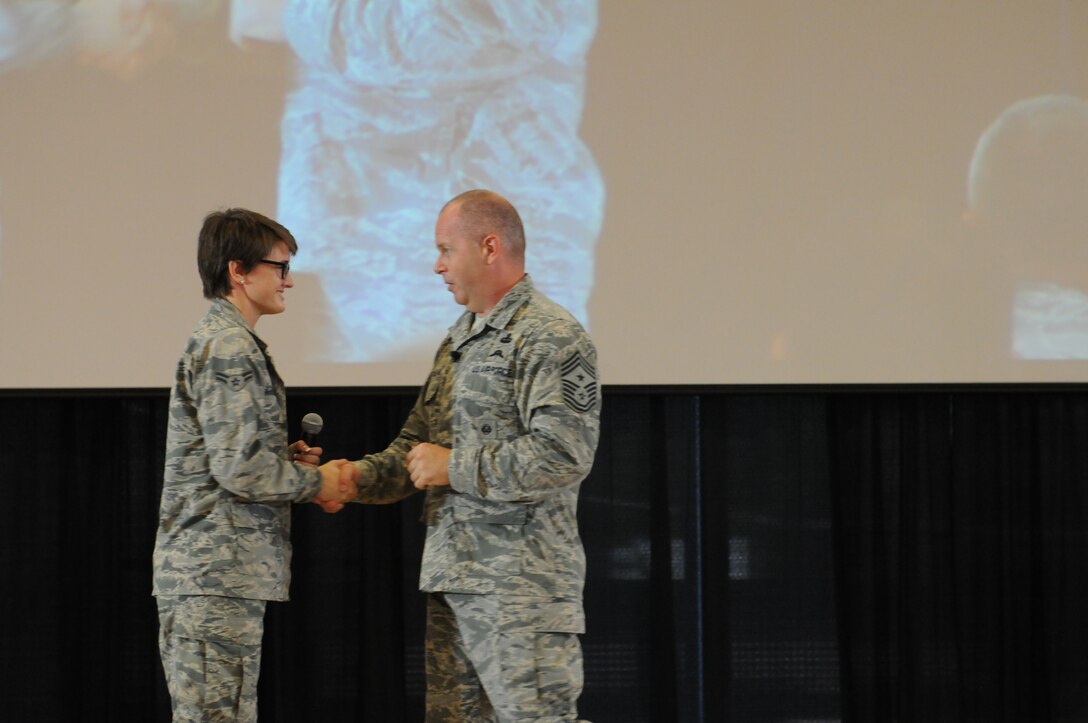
(490, 247)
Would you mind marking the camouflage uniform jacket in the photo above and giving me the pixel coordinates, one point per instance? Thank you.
(519, 405)
(225, 513)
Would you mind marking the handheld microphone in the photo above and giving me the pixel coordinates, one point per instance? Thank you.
(311, 426)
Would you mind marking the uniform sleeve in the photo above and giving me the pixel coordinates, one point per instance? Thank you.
(240, 432)
(559, 402)
(383, 477)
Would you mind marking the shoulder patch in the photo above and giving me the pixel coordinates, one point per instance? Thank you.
(234, 380)
(579, 383)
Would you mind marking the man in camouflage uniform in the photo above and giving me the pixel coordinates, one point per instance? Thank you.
(501, 437)
(223, 544)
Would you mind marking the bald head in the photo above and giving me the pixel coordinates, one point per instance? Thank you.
(481, 213)
(481, 249)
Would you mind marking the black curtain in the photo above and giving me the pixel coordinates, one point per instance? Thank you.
(754, 555)
(962, 551)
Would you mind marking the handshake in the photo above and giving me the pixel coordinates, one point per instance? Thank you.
(339, 481)
(339, 478)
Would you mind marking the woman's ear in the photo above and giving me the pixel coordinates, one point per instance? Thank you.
(236, 272)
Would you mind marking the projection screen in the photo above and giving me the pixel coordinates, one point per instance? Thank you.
(724, 193)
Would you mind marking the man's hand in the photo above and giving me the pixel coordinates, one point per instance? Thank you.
(339, 482)
(305, 454)
(428, 466)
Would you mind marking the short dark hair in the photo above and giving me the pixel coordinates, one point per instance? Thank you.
(482, 212)
(235, 234)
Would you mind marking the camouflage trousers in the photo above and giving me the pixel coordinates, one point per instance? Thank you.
(211, 655)
(497, 659)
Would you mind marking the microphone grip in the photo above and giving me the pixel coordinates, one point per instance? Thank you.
(312, 424)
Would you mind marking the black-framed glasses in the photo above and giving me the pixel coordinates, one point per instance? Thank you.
(283, 266)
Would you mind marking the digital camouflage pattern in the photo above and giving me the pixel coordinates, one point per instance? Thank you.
(494, 642)
(518, 402)
(225, 515)
(223, 544)
(211, 652)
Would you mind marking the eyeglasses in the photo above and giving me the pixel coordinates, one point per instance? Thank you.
(283, 266)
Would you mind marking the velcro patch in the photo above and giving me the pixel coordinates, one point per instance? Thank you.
(235, 380)
(579, 383)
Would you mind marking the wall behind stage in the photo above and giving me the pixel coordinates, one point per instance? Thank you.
(725, 193)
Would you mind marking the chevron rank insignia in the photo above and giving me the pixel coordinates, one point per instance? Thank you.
(235, 380)
(579, 383)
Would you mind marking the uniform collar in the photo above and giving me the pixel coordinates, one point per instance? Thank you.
(227, 313)
(499, 316)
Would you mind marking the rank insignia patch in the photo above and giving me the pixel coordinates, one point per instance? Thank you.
(579, 383)
(235, 380)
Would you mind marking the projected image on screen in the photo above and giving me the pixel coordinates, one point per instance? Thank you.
(798, 192)
(400, 105)
(1028, 193)
(388, 109)
(118, 36)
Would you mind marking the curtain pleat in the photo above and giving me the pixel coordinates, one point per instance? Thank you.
(858, 555)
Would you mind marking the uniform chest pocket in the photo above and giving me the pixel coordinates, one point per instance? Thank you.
(486, 409)
(494, 379)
